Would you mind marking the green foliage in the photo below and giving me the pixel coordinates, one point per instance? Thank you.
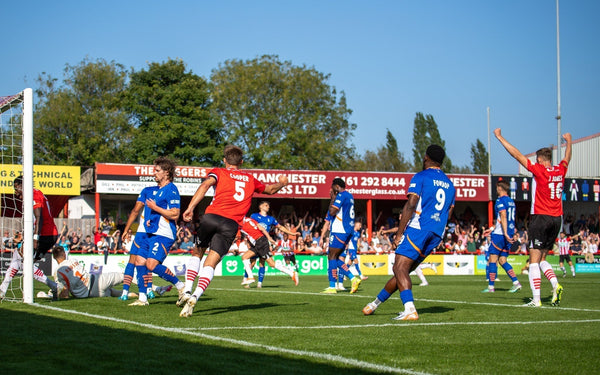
(170, 108)
(81, 122)
(479, 156)
(387, 158)
(281, 115)
(425, 133)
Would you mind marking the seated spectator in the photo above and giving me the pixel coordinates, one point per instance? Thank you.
(75, 245)
(64, 243)
(127, 242)
(515, 247)
(376, 247)
(87, 246)
(102, 245)
(300, 246)
(187, 244)
(314, 248)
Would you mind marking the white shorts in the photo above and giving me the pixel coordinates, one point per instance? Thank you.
(104, 282)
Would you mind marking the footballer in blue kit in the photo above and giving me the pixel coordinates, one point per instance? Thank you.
(502, 238)
(431, 197)
(161, 211)
(140, 241)
(340, 222)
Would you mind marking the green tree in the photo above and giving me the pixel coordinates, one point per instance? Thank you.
(81, 122)
(479, 156)
(425, 133)
(386, 158)
(281, 115)
(170, 108)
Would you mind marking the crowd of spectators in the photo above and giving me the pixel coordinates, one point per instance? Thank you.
(464, 235)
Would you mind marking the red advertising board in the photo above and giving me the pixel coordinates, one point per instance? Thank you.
(131, 178)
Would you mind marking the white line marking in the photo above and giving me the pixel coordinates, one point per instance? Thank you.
(304, 353)
(416, 299)
(401, 325)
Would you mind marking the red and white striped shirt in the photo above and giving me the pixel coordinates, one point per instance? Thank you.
(563, 246)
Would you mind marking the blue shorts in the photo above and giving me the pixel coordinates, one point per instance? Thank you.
(499, 246)
(416, 244)
(158, 247)
(352, 254)
(140, 245)
(339, 240)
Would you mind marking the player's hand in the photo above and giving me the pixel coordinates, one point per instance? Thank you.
(151, 203)
(498, 132)
(283, 179)
(188, 215)
(567, 137)
(509, 239)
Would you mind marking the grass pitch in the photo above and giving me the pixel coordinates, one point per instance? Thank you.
(283, 329)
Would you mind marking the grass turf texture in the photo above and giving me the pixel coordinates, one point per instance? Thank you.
(285, 329)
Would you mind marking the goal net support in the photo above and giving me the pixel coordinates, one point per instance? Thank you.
(16, 154)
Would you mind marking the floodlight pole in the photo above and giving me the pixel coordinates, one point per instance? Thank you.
(558, 114)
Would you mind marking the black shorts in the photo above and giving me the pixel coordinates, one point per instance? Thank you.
(290, 258)
(216, 232)
(262, 248)
(564, 258)
(543, 231)
(45, 244)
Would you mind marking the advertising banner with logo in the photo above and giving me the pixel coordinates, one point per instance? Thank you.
(132, 178)
(458, 264)
(308, 265)
(49, 179)
(376, 264)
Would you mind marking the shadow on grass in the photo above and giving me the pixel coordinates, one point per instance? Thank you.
(434, 310)
(32, 343)
(245, 307)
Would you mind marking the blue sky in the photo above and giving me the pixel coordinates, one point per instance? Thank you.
(450, 59)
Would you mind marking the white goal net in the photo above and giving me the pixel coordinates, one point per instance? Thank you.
(16, 216)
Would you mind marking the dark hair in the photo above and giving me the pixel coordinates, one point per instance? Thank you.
(503, 185)
(166, 165)
(436, 154)
(57, 251)
(544, 153)
(233, 155)
(18, 181)
(339, 182)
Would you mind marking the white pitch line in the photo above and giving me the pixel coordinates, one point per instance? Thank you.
(400, 325)
(416, 299)
(276, 349)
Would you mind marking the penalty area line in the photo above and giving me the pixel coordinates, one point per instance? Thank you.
(416, 299)
(270, 348)
(400, 325)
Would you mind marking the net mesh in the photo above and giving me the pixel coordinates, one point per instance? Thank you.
(11, 218)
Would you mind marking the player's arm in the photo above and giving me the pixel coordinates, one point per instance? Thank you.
(504, 224)
(169, 213)
(512, 150)
(198, 196)
(324, 231)
(266, 234)
(407, 212)
(569, 148)
(37, 226)
(274, 188)
(133, 215)
(285, 230)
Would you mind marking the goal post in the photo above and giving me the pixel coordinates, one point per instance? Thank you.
(16, 152)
